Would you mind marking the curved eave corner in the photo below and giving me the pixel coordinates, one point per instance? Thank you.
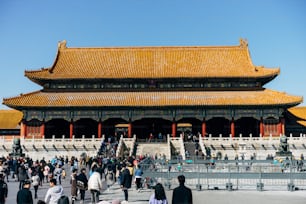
(37, 76)
(269, 77)
(299, 112)
(34, 76)
(299, 100)
(11, 102)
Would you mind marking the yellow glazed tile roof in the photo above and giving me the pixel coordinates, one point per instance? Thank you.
(152, 62)
(152, 99)
(9, 119)
(299, 112)
(302, 122)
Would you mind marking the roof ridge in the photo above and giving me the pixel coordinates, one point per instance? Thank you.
(62, 45)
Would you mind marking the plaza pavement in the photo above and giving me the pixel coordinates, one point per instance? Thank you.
(199, 197)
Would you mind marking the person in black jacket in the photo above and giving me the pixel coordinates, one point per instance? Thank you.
(126, 181)
(182, 194)
(84, 181)
(24, 196)
(3, 190)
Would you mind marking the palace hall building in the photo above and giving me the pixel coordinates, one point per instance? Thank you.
(216, 90)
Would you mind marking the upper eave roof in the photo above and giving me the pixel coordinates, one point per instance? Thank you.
(152, 99)
(152, 62)
(10, 119)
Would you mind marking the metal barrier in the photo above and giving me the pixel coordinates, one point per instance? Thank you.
(230, 176)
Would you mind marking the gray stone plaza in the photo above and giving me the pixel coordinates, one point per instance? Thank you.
(199, 197)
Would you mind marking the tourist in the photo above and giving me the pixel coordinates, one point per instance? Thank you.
(181, 194)
(110, 178)
(35, 182)
(130, 167)
(151, 137)
(6, 170)
(138, 177)
(82, 184)
(46, 173)
(73, 182)
(24, 195)
(57, 173)
(3, 190)
(159, 195)
(54, 193)
(126, 181)
(22, 175)
(40, 173)
(95, 184)
(2, 171)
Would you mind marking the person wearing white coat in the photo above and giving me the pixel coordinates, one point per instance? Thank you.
(95, 185)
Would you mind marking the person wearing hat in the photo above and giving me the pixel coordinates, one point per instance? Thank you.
(24, 195)
(3, 190)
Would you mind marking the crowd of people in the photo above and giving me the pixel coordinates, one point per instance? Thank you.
(85, 175)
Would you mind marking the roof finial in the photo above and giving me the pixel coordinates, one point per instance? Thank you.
(243, 42)
(62, 44)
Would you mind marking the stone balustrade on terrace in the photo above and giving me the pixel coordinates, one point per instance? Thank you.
(261, 146)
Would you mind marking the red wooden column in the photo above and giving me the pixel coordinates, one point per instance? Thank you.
(233, 127)
(279, 127)
(174, 128)
(71, 129)
(204, 128)
(99, 129)
(282, 126)
(23, 131)
(261, 127)
(130, 129)
(42, 129)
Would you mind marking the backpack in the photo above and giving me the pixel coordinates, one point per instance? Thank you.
(63, 200)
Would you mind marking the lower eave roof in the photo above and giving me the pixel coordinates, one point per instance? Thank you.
(42, 99)
(10, 119)
(299, 112)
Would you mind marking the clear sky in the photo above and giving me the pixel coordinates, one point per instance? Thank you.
(30, 31)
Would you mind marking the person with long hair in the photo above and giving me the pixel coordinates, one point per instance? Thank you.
(159, 195)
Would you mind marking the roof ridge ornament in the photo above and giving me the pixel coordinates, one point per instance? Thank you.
(62, 44)
(243, 43)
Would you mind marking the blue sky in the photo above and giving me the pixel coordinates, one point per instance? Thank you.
(30, 31)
